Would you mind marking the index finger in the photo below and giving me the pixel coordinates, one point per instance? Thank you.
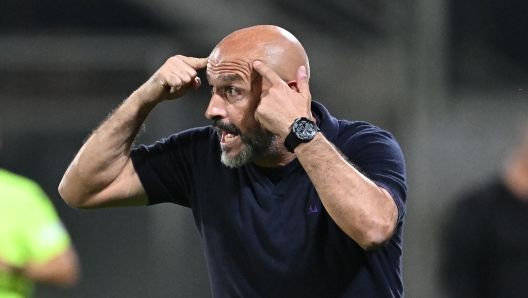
(266, 72)
(196, 63)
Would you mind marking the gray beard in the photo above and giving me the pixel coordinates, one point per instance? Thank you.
(255, 146)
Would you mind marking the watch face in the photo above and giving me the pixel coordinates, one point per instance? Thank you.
(304, 129)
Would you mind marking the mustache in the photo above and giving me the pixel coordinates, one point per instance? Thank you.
(230, 128)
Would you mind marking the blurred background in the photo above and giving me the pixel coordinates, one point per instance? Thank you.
(447, 78)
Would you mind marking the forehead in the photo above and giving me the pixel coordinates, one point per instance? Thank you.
(224, 79)
(224, 67)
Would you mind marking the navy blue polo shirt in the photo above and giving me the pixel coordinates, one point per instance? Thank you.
(265, 231)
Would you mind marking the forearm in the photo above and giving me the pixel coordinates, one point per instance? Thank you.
(63, 270)
(102, 174)
(366, 212)
(105, 154)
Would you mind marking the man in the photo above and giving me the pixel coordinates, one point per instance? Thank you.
(34, 245)
(485, 236)
(283, 209)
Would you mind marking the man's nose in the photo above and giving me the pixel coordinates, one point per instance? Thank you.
(216, 107)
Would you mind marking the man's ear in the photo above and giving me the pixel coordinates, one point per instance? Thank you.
(293, 85)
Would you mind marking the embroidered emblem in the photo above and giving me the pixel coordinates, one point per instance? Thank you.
(312, 209)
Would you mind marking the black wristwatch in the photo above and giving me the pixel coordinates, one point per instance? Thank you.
(303, 130)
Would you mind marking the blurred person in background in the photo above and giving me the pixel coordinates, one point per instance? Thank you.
(485, 237)
(34, 245)
(288, 200)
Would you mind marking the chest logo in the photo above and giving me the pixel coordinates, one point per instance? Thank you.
(312, 209)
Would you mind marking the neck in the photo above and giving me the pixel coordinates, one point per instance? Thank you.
(276, 161)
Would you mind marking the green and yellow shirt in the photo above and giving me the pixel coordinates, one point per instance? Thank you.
(30, 231)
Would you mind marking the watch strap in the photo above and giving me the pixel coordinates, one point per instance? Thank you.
(292, 140)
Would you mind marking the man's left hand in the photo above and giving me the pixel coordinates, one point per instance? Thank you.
(282, 102)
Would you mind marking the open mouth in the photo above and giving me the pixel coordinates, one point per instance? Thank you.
(227, 133)
(227, 137)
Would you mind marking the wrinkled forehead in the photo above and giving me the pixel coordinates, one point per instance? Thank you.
(222, 64)
(224, 54)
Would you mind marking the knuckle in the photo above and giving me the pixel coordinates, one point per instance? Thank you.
(174, 80)
(186, 75)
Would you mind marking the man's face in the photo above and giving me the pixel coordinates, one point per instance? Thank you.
(235, 97)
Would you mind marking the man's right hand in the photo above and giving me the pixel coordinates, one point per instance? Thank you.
(172, 80)
(102, 173)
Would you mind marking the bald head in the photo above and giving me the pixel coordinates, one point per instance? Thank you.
(274, 46)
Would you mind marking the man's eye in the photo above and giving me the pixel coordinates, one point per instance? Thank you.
(232, 91)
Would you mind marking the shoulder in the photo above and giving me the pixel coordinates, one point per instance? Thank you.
(474, 207)
(190, 140)
(360, 129)
(22, 197)
(343, 132)
(480, 200)
(12, 184)
(360, 138)
(197, 134)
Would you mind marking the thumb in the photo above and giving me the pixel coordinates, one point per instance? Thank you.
(195, 84)
(302, 81)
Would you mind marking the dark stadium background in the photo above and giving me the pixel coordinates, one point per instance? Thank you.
(448, 78)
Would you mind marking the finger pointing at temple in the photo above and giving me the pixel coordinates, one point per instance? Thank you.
(267, 73)
(193, 64)
(196, 63)
(282, 101)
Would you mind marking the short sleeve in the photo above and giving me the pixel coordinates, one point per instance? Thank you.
(159, 177)
(377, 154)
(166, 168)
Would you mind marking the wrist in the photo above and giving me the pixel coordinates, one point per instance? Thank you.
(141, 98)
(302, 130)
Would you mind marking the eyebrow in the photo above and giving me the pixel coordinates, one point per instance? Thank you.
(231, 77)
(227, 78)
